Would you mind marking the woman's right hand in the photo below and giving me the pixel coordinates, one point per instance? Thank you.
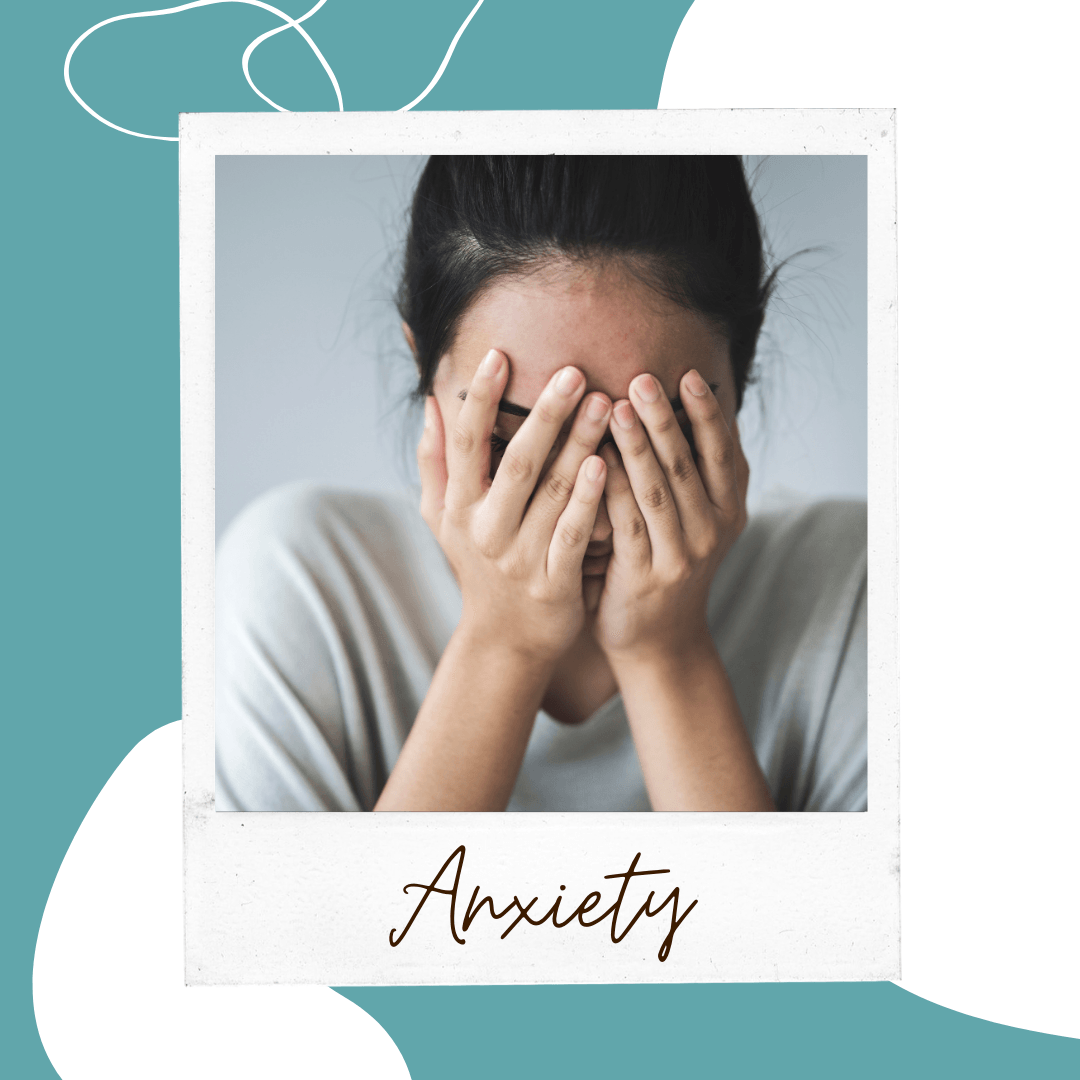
(516, 542)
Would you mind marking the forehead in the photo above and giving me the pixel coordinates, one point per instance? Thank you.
(601, 319)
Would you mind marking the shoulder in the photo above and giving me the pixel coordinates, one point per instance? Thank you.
(314, 522)
(787, 596)
(302, 513)
(799, 555)
(311, 547)
(828, 531)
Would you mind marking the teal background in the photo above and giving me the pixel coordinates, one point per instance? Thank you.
(89, 441)
(838, 1031)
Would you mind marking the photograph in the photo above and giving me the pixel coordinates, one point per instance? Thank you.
(539, 462)
(541, 482)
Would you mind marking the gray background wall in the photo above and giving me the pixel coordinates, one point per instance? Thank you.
(313, 376)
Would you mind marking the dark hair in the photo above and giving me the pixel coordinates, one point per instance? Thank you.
(685, 225)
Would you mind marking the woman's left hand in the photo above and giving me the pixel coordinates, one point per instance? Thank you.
(675, 512)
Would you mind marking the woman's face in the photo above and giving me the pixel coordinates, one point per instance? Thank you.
(599, 318)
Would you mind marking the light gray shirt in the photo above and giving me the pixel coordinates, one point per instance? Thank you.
(333, 608)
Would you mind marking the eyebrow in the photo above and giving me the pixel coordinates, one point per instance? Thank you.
(520, 410)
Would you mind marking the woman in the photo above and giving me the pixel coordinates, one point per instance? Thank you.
(587, 621)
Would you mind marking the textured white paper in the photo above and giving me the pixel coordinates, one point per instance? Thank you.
(313, 898)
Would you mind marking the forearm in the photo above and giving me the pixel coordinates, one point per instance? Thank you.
(468, 740)
(691, 742)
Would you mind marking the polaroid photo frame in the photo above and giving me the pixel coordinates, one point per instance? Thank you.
(382, 899)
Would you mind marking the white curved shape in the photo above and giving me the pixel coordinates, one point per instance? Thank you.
(989, 876)
(109, 991)
(446, 60)
(244, 60)
(288, 22)
(824, 55)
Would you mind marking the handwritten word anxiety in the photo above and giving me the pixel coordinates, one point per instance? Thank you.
(525, 910)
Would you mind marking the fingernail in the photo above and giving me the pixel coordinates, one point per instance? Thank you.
(568, 381)
(645, 387)
(597, 409)
(624, 415)
(491, 363)
(593, 468)
(696, 384)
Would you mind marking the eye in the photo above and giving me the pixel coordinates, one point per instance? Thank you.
(498, 445)
(688, 432)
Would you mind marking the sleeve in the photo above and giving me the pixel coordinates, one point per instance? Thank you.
(293, 728)
(839, 770)
(792, 631)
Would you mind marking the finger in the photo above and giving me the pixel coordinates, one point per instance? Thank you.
(672, 451)
(629, 533)
(553, 492)
(468, 447)
(717, 449)
(431, 458)
(647, 480)
(742, 469)
(575, 524)
(524, 457)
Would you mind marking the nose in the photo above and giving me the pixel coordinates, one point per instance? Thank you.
(602, 528)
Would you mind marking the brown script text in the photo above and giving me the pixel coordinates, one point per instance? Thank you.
(588, 904)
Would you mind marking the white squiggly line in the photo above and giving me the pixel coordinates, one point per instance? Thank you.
(446, 60)
(269, 34)
(288, 22)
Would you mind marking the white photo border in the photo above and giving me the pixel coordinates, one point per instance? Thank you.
(312, 898)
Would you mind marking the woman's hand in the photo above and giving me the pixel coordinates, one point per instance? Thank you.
(516, 542)
(675, 512)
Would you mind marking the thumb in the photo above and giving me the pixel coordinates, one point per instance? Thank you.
(431, 458)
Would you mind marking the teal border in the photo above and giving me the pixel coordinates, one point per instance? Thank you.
(89, 441)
